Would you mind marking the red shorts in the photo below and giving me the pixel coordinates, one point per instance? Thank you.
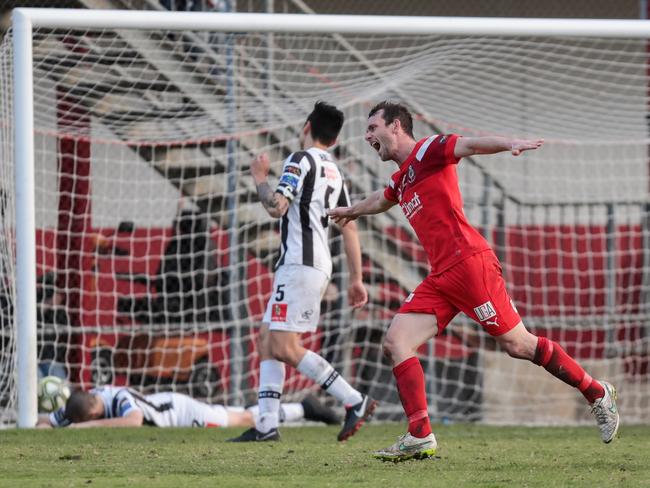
(474, 286)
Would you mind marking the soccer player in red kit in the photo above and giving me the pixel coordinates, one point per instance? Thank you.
(465, 273)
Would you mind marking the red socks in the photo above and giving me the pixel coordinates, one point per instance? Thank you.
(549, 355)
(410, 385)
(556, 361)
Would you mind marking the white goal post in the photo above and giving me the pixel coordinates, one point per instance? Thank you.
(581, 84)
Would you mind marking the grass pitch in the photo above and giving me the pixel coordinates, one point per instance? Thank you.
(468, 455)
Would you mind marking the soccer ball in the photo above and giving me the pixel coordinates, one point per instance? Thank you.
(53, 392)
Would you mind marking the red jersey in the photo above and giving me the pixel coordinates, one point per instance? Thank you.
(426, 187)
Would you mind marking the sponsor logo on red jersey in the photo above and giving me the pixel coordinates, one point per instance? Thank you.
(413, 206)
(485, 311)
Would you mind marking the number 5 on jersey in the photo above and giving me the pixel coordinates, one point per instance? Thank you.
(279, 293)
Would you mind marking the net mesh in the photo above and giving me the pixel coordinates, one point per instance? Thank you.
(154, 257)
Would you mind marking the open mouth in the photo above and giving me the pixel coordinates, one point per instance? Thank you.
(376, 146)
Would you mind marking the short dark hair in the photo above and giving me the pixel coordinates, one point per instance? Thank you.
(78, 406)
(326, 122)
(394, 111)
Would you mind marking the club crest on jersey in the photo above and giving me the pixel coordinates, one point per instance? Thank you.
(485, 311)
(413, 206)
(411, 174)
(279, 312)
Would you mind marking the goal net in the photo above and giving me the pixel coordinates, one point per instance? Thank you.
(154, 258)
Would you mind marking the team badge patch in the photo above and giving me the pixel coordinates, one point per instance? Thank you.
(290, 180)
(411, 174)
(485, 311)
(279, 312)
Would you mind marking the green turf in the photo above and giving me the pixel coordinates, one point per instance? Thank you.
(310, 457)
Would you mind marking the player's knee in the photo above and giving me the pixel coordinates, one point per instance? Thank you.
(518, 343)
(517, 350)
(386, 349)
(392, 346)
(280, 352)
(286, 352)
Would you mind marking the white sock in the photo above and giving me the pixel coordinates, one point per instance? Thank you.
(269, 393)
(291, 412)
(319, 370)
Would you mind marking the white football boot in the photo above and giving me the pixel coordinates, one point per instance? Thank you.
(409, 447)
(606, 413)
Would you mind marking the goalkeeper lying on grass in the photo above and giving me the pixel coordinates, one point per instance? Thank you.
(111, 406)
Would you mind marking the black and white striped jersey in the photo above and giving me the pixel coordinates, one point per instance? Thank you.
(158, 409)
(313, 183)
(117, 402)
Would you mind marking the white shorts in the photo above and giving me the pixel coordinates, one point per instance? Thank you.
(181, 411)
(211, 416)
(199, 414)
(295, 302)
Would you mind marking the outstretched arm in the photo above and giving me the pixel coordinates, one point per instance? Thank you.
(274, 203)
(373, 204)
(469, 146)
(357, 293)
(131, 419)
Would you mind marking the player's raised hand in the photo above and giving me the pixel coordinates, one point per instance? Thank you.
(260, 167)
(520, 145)
(357, 294)
(342, 215)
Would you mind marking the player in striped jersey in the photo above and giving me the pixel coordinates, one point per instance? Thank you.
(310, 184)
(111, 406)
